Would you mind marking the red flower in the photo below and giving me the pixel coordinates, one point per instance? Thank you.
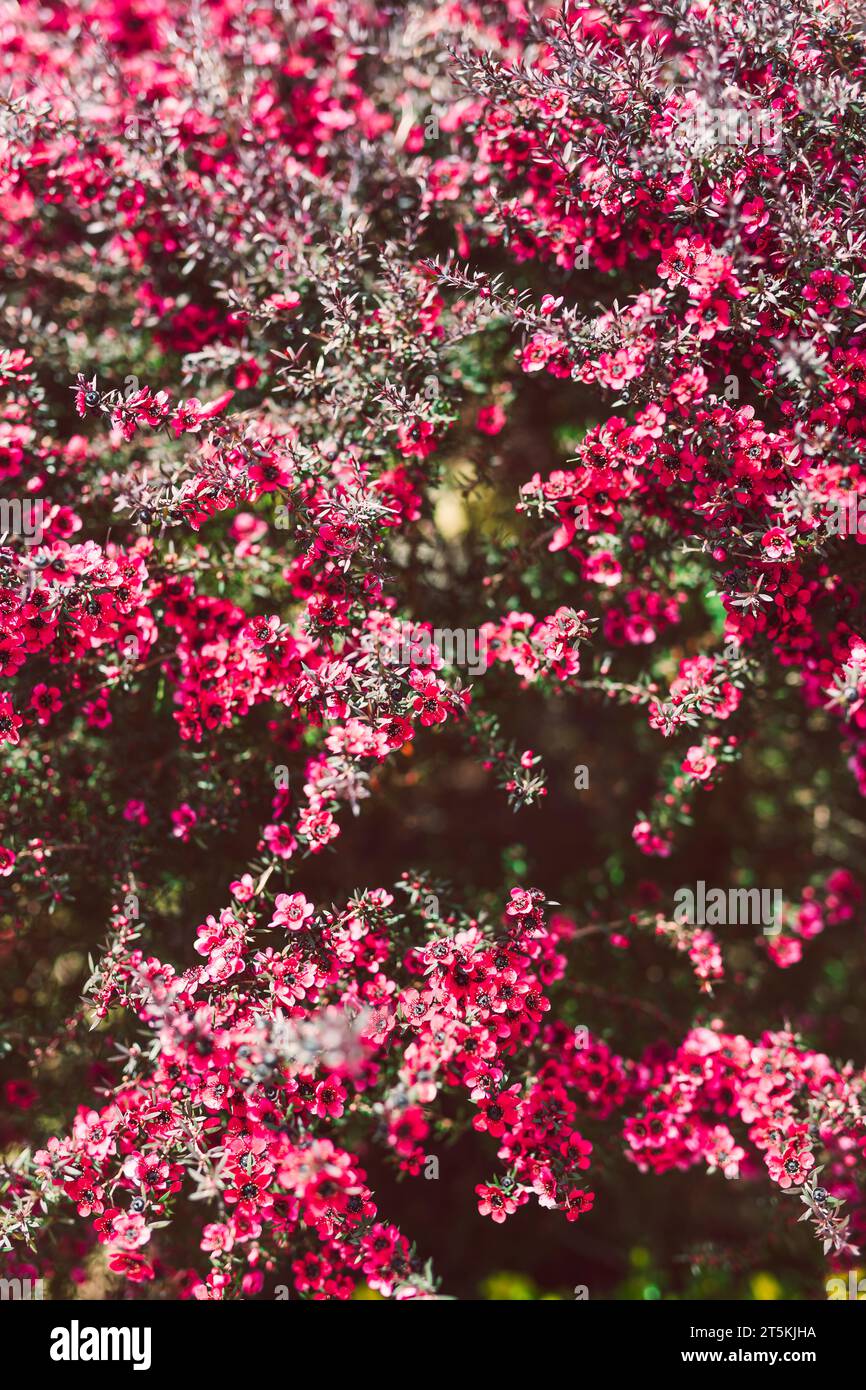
(10, 722)
(498, 1112)
(495, 1203)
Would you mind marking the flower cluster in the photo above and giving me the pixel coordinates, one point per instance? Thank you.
(404, 418)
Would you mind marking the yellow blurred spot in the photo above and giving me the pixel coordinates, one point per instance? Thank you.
(364, 1294)
(451, 515)
(67, 967)
(765, 1289)
(508, 1288)
(639, 1257)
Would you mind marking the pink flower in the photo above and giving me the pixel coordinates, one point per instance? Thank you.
(184, 819)
(777, 544)
(243, 888)
(280, 840)
(490, 419)
(826, 290)
(698, 763)
(495, 1203)
(292, 911)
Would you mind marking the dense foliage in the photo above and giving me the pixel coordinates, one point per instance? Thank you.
(431, 452)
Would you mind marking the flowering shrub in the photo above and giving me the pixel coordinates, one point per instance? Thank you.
(413, 415)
